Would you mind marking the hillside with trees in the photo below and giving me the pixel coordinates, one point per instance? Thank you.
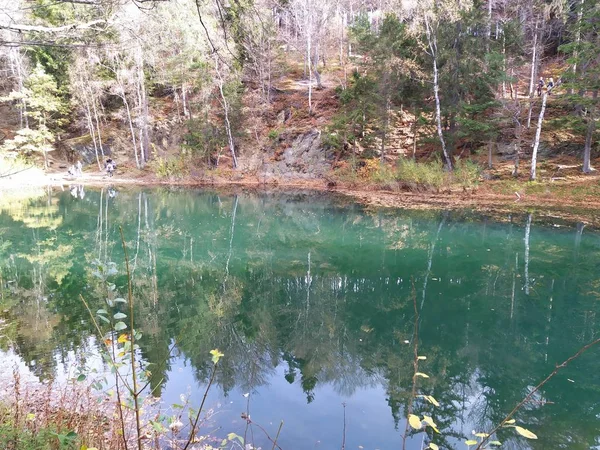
(403, 94)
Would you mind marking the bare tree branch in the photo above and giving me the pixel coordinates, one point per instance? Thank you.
(41, 29)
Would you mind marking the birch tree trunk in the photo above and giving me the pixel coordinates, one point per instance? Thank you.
(577, 40)
(536, 142)
(432, 42)
(589, 136)
(234, 162)
(533, 73)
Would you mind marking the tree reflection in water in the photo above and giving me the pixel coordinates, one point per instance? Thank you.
(315, 292)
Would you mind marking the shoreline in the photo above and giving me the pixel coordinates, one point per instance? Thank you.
(567, 206)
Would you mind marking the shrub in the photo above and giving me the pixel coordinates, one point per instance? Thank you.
(427, 174)
(170, 167)
(466, 173)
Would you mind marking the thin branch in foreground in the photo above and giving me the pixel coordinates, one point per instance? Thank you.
(564, 364)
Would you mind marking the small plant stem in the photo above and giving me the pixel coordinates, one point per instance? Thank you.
(134, 391)
(101, 336)
(564, 364)
(344, 430)
(195, 424)
(277, 436)
(275, 444)
(117, 374)
(415, 364)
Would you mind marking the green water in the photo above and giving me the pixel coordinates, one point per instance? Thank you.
(310, 299)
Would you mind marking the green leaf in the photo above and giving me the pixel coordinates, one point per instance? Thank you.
(120, 300)
(119, 316)
(120, 326)
(102, 311)
(421, 374)
(432, 446)
(510, 422)
(422, 358)
(471, 442)
(495, 443)
(216, 355)
(481, 435)
(103, 318)
(525, 433)
(415, 422)
(81, 377)
(232, 436)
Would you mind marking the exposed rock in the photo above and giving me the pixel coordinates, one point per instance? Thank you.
(304, 157)
(82, 148)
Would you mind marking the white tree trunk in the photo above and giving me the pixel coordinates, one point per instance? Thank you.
(536, 142)
(533, 73)
(432, 41)
(589, 136)
(577, 39)
(234, 162)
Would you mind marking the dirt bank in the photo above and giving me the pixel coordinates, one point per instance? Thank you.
(576, 201)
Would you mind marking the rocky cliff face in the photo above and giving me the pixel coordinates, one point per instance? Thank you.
(299, 156)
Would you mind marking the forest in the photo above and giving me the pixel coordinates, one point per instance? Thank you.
(391, 91)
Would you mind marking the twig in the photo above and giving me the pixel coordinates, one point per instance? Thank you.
(344, 432)
(415, 364)
(118, 374)
(564, 364)
(275, 444)
(135, 392)
(195, 424)
(277, 437)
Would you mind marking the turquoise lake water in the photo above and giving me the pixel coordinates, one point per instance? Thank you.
(311, 299)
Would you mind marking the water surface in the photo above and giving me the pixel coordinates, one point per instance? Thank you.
(311, 299)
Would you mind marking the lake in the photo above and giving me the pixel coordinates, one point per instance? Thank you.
(311, 298)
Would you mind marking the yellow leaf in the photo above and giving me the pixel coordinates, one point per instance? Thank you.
(122, 339)
(432, 400)
(471, 442)
(421, 374)
(481, 434)
(432, 446)
(429, 421)
(525, 433)
(216, 355)
(509, 422)
(422, 358)
(414, 422)
(495, 443)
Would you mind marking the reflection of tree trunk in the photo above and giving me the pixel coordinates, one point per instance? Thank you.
(139, 227)
(578, 234)
(430, 257)
(549, 321)
(99, 226)
(527, 232)
(514, 284)
(233, 214)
